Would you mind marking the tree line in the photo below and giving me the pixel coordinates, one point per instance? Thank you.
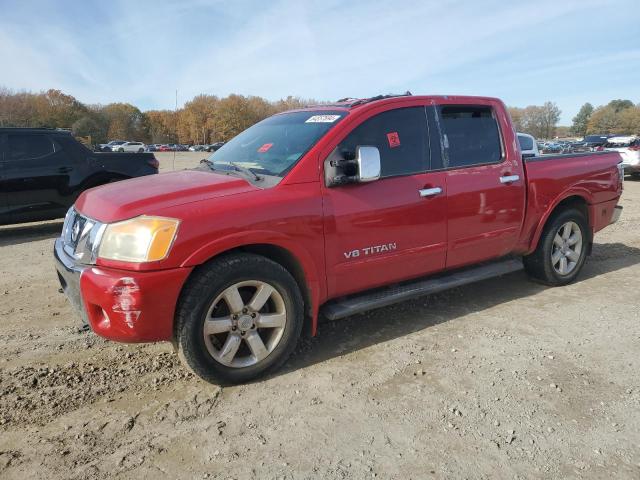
(208, 118)
(616, 117)
(205, 119)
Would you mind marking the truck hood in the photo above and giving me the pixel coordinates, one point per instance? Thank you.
(146, 195)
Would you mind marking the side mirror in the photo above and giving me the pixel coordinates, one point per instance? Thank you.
(368, 160)
(362, 166)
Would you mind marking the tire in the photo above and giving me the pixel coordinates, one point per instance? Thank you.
(545, 264)
(205, 299)
(140, 150)
(121, 149)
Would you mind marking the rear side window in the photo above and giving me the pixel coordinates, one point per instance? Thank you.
(470, 136)
(526, 143)
(28, 147)
(401, 137)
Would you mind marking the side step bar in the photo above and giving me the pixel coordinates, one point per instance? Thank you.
(359, 303)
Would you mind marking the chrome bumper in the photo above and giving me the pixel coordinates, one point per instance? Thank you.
(69, 274)
(617, 211)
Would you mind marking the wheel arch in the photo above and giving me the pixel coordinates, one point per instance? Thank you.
(297, 264)
(571, 200)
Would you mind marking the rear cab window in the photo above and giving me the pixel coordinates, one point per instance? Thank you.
(469, 136)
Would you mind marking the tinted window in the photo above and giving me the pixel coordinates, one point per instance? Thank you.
(401, 138)
(526, 143)
(24, 147)
(470, 136)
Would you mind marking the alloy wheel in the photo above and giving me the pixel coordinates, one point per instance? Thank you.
(567, 247)
(245, 323)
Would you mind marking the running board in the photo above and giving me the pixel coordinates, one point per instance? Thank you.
(359, 303)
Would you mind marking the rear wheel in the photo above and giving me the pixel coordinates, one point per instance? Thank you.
(562, 249)
(239, 317)
(140, 150)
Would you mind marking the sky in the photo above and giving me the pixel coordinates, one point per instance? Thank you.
(525, 52)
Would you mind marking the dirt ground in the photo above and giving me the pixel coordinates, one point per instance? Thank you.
(501, 379)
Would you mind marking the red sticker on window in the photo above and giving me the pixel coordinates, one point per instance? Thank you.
(265, 147)
(394, 139)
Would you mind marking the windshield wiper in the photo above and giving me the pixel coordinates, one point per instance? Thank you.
(236, 168)
(208, 162)
(246, 170)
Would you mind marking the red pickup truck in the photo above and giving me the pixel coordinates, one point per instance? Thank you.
(330, 210)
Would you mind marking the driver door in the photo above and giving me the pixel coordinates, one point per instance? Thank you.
(386, 230)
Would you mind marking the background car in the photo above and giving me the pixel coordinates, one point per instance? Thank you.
(552, 148)
(197, 148)
(629, 148)
(131, 147)
(107, 147)
(214, 146)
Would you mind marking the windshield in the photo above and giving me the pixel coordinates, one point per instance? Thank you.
(274, 145)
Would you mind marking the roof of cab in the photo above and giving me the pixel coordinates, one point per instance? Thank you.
(347, 104)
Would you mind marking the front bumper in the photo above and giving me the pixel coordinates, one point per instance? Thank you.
(120, 305)
(69, 274)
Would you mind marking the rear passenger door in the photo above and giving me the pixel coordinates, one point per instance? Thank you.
(384, 231)
(485, 186)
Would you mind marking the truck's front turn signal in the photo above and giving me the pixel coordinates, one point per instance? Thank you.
(140, 239)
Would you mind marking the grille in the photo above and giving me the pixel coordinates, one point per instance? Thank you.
(79, 236)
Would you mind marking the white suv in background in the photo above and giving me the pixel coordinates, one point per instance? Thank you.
(137, 147)
(629, 148)
(528, 145)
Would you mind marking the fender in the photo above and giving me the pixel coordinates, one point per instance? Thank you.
(314, 282)
(571, 192)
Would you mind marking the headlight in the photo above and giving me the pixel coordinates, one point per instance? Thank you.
(141, 239)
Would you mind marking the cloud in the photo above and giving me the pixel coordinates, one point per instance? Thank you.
(141, 52)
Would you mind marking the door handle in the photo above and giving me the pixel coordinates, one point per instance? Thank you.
(509, 178)
(430, 192)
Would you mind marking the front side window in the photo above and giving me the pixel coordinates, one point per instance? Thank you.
(470, 136)
(401, 137)
(274, 145)
(28, 147)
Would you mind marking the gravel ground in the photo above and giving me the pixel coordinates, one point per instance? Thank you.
(502, 379)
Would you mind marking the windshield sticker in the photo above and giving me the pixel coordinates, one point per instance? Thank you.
(265, 148)
(394, 139)
(322, 119)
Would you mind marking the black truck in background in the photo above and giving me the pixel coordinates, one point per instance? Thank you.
(43, 171)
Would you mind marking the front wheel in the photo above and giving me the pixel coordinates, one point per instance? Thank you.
(239, 317)
(561, 250)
